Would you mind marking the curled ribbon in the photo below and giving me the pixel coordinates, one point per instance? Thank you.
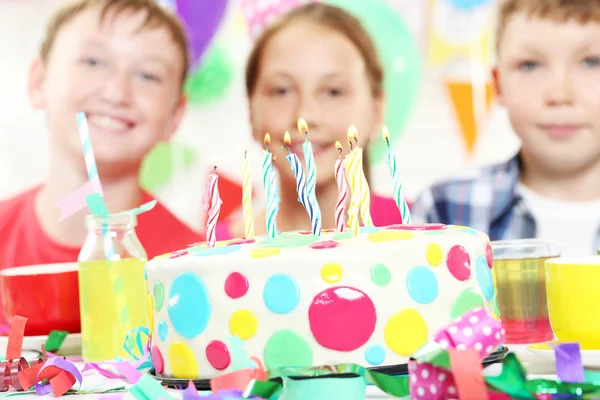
(133, 342)
(19, 374)
(60, 375)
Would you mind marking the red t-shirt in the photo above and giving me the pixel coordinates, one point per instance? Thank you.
(24, 242)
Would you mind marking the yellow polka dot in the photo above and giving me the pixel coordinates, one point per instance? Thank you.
(183, 362)
(265, 252)
(243, 323)
(434, 254)
(405, 332)
(331, 272)
(459, 227)
(387, 236)
(166, 255)
(495, 316)
(151, 312)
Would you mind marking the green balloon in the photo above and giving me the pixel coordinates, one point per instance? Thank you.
(212, 78)
(401, 59)
(157, 168)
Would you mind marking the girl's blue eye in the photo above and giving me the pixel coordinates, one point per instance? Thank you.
(591, 61)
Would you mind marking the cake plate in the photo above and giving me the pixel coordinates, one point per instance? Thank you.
(393, 370)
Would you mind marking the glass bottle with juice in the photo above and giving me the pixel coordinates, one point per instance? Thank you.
(112, 288)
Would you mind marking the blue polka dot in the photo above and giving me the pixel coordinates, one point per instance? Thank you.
(209, 251)
(189, 305)
(484, 278)
(281, 294)
(369, 229)
(422, 285)
(146, 271)
(375, 354)
(163, 330)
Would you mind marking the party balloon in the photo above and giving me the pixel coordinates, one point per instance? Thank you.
(401, 60)
(202, 19)
(157, 168)
(468, 4)
(212, 78)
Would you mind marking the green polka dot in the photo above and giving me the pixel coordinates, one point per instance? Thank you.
(159, 296)
(342, 236)
(380, 274)
(286, 348)
(288, 240)
(467, 300)
(495, 305)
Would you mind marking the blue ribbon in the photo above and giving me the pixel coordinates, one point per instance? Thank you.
(134, 345)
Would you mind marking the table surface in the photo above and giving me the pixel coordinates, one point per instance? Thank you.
(534, 364)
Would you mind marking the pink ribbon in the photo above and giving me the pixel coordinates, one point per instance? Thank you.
(475, 332)
(126, 371)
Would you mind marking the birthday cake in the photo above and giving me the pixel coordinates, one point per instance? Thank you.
(303, 300)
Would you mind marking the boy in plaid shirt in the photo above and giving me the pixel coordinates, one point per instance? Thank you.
(548, 78)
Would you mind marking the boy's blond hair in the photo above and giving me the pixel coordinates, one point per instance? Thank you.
(156, 17)
(582, 11)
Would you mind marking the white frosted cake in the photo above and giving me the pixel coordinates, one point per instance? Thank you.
(302, 300)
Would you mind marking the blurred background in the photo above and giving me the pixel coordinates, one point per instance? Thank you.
(441, 111)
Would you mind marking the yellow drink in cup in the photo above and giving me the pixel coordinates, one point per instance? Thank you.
(572, 287)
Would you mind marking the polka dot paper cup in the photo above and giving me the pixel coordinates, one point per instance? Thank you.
(476, 330)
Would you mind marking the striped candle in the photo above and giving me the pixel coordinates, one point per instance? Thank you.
(247, 199)
(340, 178)
(311, 172)
(365, 192)
(351, 165)
(298, 171)
(212, 204)
(270, 189)
(395, 172)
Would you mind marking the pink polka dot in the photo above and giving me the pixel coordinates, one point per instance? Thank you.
(459, 263)
(342, 318)
(240, 241)
(178, 254)
(305, 233)
(325, 244)
(218, 355)
(157, 360)
(489, 255)
(418, 227)
(328, 230)
(236, 285)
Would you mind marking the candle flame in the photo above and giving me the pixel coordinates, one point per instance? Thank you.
(302, 126)
(338, 146)
(287, 140)
(267, 140)
(386, 133)
(352, 133)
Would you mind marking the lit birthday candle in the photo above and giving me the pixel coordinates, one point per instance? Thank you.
(247, 199)
(365, 192)
(351, 165)
(311, 172)
(212, 204)
(270, 189)
(395, 172)
(340, 178)
(298, 171)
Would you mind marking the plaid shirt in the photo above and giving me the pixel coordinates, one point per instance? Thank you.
(488, 201)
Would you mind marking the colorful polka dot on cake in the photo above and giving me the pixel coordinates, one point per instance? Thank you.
(182, 361)
(434, 254)
(375, 354)
(189, 305)
(243, 324)
(159, 296)
(157, 360)
(459, 263)
(390, 235)
(331, 272)
(151, 313)
(236, 285)
(218, 355)
(405, 332)
(489, 255)
(418, 227)
(163, 330)
(484, 278)
(466, 301)
(325, 244)
(422, 285)
(264, 252)
(342, 318)
(286, 348)
(380, 275)
(281, 294)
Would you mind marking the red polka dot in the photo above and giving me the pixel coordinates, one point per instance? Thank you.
(342, 318)
(240, 241)
(489, 255)
(325, 244)
(459, 263)
(418, 227)
(236, 285)
(218, 355)
(157, 360)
